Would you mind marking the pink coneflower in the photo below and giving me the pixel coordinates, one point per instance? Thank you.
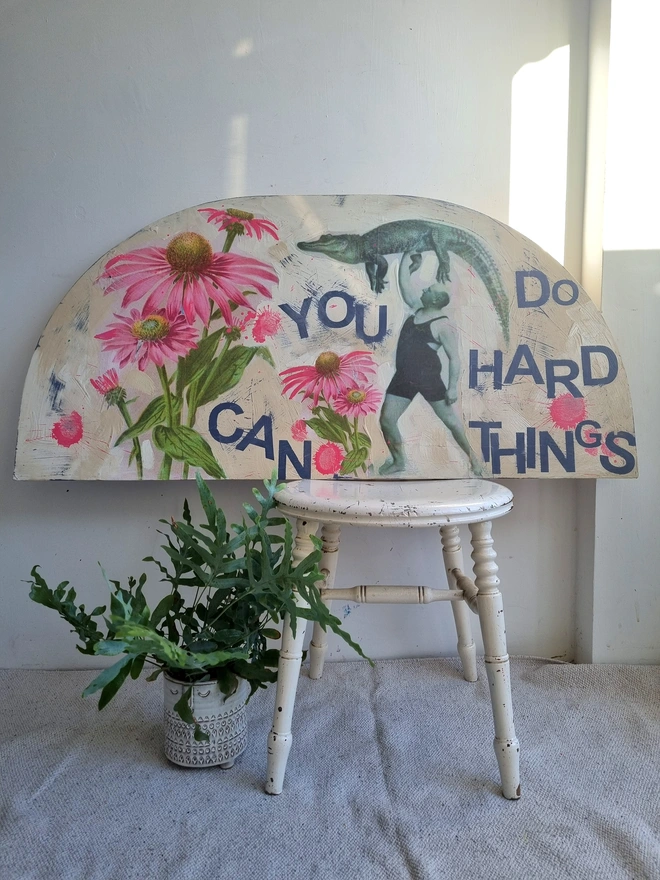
(299, 430)
(186, 275)
(328, 458)
(267, 324)
(106, 383)
(240, 222)
(357, 401)
(68, 430)
(331, 375)
(148, 337)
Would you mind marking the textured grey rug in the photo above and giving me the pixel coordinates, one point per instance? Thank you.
(392, 775)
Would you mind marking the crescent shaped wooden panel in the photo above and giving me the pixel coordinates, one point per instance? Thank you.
(380, 337)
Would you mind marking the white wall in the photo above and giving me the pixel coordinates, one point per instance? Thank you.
(116, 113)
(626, 619)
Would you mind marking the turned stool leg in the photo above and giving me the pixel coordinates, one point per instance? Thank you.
(491, 618)
(453, 556)
(319, 645)
(280, 738)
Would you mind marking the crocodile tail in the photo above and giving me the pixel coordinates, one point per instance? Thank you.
(470, 249)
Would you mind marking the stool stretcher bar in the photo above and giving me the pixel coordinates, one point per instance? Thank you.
(393, 595)
(407, 595)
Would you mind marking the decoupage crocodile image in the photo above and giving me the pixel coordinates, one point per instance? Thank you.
(416, 237)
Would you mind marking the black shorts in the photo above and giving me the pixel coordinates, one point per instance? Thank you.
(431, 389)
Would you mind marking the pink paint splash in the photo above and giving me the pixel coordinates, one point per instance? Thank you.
(597, 450)
(299, 430)
(328, 458)
(267, 324)
(567, 411)
(69, 430)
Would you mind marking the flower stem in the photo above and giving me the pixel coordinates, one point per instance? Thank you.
(166, 466)
(231, 235)
(123, 409)
(192, 400)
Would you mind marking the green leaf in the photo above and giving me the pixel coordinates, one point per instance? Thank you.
(138, 664)
(154, 675)
(326, 430)
(182, 707)
(185, 444)
(161, 610)
(197, 360)
(335, 418)
(207, 499)
(111, 647)
(113, 686)
(363, 440)
(263, 352)
(108, 675)
(355, 459)
(154, 414)
(63, 602)
(227, 371)
(143, 640)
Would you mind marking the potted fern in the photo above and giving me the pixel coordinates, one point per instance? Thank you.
(209, 634)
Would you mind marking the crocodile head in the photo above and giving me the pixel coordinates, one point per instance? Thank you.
(345, 248)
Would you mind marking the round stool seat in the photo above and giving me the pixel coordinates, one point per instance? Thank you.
(405, 503)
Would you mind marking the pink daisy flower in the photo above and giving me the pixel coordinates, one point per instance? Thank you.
(106, 383)
(267, 324)
(68, 430)
(357, 401)
(240, 222)
(148, 337)
(331, 375)
(299, 430)
(328, 458)
(185, 276)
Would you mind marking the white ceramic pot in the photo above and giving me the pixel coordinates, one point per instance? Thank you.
(223, 718)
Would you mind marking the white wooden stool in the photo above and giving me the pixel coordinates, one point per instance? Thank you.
(440, 503)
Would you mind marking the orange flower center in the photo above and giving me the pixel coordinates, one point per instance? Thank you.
(240, 215)
(327, 363)
(189, 252)
(356, 396)
(153, 327)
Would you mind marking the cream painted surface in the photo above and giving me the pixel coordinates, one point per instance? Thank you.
(479, 263)
(115, 114)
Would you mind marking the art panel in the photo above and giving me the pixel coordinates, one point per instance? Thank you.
(380, 337)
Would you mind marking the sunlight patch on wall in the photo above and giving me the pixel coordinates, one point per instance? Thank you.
(237, 155)
(243, 48)
(539, 149)
(632, 173)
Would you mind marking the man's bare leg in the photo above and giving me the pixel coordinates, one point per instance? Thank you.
(392, 410)
(447, 415)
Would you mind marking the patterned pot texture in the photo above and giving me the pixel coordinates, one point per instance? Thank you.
(223, 718)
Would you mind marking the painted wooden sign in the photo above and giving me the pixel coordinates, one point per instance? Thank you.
(330, 336)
